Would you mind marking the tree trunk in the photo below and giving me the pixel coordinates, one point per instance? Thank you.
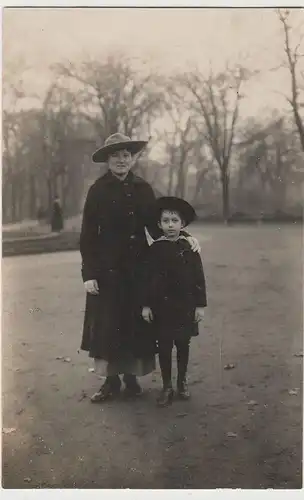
(13, 200)
(21, 214)
(181, 181)
(171, 177)
(198, 186)
(6, 202)
(33, 197)
(225, 194)
(50, 197)
(299, 124)
(280, 196)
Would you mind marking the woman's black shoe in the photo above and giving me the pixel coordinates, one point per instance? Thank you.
(166, 396)
(183, 391)
(107, 391)
(132, 389)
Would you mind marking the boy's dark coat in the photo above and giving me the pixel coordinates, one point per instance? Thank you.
(173, 285)
(112, 243)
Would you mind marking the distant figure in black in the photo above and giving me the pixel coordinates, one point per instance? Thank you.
(57, 217)
(173, 292)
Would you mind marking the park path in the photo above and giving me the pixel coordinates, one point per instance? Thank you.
(242, 428)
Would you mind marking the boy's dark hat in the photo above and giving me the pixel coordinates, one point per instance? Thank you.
(116, 142)
(175, 204)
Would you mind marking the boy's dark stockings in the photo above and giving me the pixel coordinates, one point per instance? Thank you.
(165, 361)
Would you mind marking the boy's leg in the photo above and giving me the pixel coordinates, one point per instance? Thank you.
(165, 363)
(182, 348)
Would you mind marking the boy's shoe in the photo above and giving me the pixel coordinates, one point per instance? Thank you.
(132, 389)
(183, 391)
(165, 398)
(108, 390)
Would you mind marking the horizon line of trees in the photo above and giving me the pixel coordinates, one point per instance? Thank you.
(210, 155)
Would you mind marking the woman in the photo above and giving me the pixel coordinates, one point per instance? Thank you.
(112, 242)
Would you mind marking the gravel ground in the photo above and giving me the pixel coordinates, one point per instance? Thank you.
(241, 429)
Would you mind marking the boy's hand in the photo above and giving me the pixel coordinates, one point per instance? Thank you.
(195, 246)
(147, 314)
(91, 286)
(199, 314)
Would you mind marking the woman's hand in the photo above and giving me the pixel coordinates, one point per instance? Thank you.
(91, 286)
(147, 314)
(195, 246)
(199, 314)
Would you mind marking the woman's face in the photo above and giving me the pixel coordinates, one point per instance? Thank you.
(120, 162)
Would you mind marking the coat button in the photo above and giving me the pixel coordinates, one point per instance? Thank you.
(132, 237)
(131, 213)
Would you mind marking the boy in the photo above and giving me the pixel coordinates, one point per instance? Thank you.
(173, 294)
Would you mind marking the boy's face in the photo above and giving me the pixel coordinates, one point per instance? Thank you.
(171, 224)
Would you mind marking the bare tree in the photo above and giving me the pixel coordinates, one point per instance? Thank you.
(13, 94)
(113, 96)
(270, 154)
(204, 169)
(178, 147)
(58, 124)
(182, 149)
(39, 157)
(293, 56)
(216, 101)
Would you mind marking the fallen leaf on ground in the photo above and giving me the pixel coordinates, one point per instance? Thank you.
(27, 479)
(252, 402)
(21, 410)
(59, 357)
(82, 396)
(67, 360)
(293, 392)
(231, 435)
(9, 430)
(230, 366)
(181, 415)
(298, 354)
(91, 370)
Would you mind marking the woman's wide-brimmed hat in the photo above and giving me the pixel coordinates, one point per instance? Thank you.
(174, 204)
(116, 142)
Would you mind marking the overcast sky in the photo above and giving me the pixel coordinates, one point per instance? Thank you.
(169, 39)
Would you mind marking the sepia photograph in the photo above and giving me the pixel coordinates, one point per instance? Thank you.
(152, 248)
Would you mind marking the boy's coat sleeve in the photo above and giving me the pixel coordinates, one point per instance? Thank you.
(200, 286)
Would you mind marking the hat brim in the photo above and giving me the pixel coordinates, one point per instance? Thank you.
(102, 154)
(174, 204)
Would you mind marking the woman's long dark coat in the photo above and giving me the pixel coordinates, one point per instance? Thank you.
(112, 243)
(173, 285)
